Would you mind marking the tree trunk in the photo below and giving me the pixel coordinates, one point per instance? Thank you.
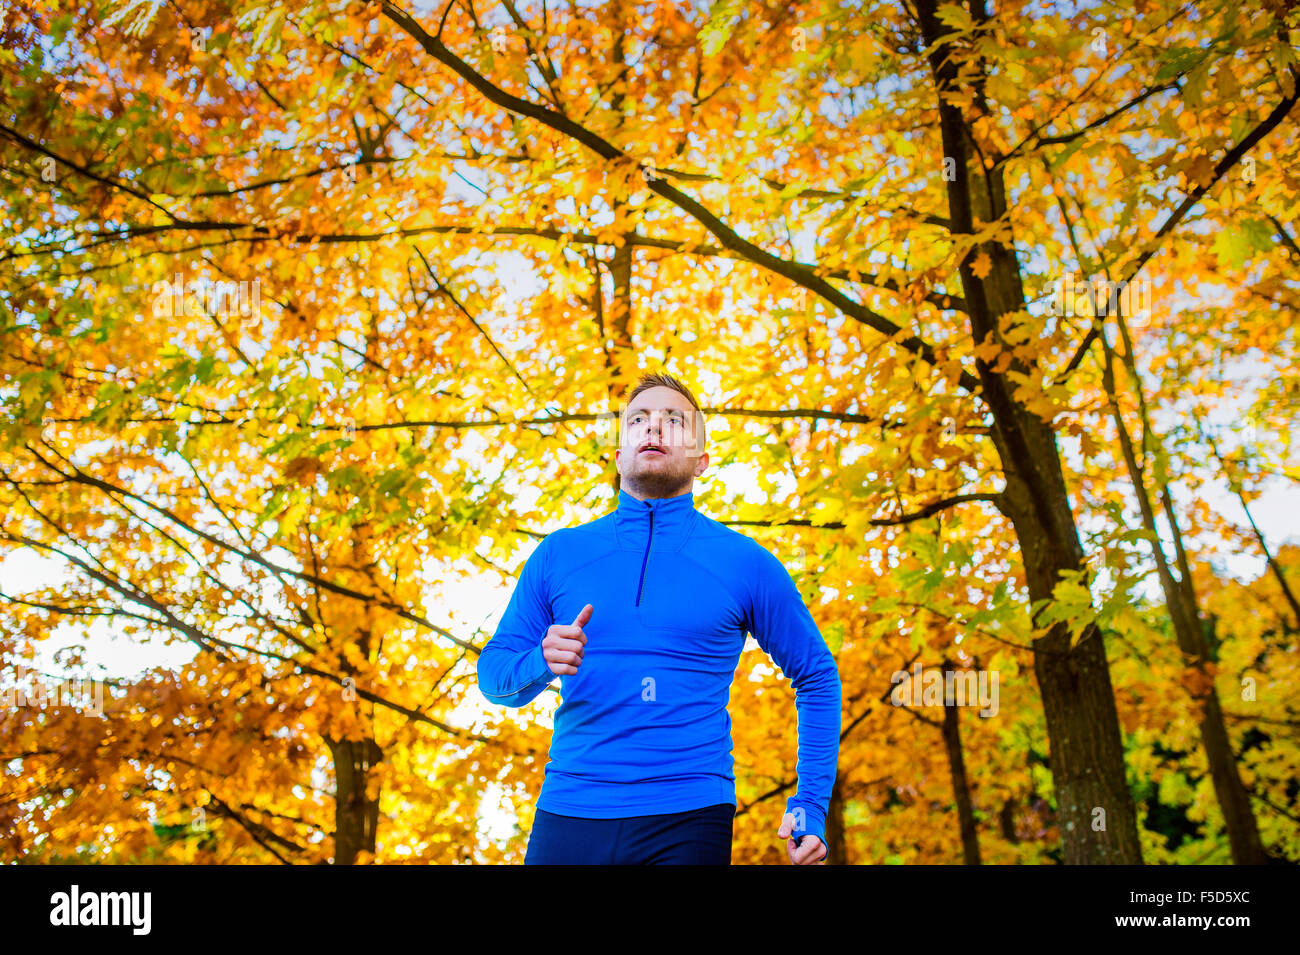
(1087, 754)
(1180, 598)
(356, 817)
(970, 842)
(1007, 821)
(620, 357)
(835, 854)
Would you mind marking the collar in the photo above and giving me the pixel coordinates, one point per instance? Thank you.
(673, 519)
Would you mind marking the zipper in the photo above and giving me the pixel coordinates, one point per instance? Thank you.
(646, 558)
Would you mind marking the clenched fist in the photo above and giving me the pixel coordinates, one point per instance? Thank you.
(564, 644)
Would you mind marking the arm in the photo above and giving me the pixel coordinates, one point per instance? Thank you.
(786, 631)
(511, 668)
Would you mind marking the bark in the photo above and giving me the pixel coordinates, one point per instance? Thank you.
(1007, 821)
(1087, 755)
(835, 852)
(960, 786)
(620, 358)
(356, 817)
(356, 814)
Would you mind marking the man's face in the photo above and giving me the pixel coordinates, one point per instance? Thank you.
(659, 457)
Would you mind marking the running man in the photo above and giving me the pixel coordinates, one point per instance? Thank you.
(661, 596)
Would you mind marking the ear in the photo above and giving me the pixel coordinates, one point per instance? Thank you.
(702, 463)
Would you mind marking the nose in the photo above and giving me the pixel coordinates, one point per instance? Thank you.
(650, 430)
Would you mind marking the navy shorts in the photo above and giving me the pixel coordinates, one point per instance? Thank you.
(694, 837)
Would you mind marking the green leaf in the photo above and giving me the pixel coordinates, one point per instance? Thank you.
(1176, 60)
(722, 21)
(955, 16)
(1235, 244)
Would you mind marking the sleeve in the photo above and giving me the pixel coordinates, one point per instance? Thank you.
(784, 628)
(511, 668)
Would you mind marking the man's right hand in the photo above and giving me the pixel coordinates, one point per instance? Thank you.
(564, 644)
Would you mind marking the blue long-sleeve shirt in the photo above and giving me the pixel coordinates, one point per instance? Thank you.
(643, 726)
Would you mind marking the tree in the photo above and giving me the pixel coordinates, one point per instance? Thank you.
(827, 216)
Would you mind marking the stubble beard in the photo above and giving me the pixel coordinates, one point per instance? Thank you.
(659, 482)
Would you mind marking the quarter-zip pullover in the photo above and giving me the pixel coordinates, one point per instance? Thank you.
(643, 726)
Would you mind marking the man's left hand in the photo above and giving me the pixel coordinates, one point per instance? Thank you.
(811, 851)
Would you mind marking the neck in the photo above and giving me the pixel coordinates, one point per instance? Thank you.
(642, 496)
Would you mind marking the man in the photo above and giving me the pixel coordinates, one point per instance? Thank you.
(660, 598)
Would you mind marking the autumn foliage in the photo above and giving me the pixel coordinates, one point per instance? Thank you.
(313, 315)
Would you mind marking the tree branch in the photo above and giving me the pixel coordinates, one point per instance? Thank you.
(928, 511)
(801, 275)
(1230, 159)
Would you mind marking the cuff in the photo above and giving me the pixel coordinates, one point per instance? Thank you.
(810, 822)
(537, 664)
